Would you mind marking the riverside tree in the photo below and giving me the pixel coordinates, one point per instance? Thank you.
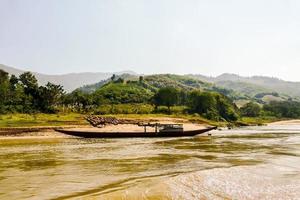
(167, 96)
(250, 109)
(23, 94)
(212, 106)
(49, 97)
(4, 90)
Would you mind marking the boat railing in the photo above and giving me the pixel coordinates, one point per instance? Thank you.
(160, 127)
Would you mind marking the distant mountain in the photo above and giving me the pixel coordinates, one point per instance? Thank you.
(69, 81)
(253, 85)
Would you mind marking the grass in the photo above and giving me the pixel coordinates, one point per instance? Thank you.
(257, 120)
(62, 119)
(30, 120)
(137, 108)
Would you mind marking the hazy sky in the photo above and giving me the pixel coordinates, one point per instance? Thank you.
(247, 37)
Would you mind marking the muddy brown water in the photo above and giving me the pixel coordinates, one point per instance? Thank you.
(248, 163)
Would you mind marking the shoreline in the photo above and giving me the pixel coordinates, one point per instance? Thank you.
(49, 131)
(286, 122)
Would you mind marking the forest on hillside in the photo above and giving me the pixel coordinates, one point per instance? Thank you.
(153, 94)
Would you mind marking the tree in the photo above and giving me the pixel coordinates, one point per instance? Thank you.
(49, 97)
(4, 90)
(212, 106)
(79, 100)
(250, 110)
(183, 97)
(118, 93)
(203, 103)
(3, 76)
(23, 94)
(226, 108)
(141, 79)
(287, 109)
(29, 82)
(167, 96)
(113, 77)
(13, 82)
(31, 90)
(15, 95)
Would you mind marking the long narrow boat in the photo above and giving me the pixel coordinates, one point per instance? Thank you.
(164, 133)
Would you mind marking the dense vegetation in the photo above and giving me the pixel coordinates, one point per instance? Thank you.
(167, 94)
(24, 95)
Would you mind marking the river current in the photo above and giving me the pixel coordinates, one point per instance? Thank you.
(247, 163)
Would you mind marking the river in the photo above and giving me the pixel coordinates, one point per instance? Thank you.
(247, 163)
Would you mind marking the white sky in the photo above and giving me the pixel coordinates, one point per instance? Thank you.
(246, 37)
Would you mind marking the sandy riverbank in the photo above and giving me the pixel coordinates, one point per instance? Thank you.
(286, 122)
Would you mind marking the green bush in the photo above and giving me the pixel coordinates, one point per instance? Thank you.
(212, 106)
(122, 93)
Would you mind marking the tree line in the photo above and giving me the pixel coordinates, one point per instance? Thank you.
(279, 109)
(23, 94)
(211, 105)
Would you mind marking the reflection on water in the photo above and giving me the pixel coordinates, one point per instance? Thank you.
(249, 163)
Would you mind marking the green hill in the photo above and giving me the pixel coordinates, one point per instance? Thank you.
(176, 81)
(131, 92)
(235, 88)
(154, 82)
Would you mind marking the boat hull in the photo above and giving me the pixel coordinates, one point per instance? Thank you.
(97, 134)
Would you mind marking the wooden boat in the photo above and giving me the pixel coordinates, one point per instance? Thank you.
(168, 130)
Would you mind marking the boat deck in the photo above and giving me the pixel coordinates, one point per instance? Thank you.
(131, 128)
(122, 132)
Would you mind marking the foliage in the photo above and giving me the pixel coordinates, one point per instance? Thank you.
(140, 108)
(226, 108)
(156, 94)
(250, 110)
(286, 109)
(4, 88)
(49, 96)
(115, 93)
(167, 96)
(180, 82)
(141, 79)
(78, 101)
(173, 110)
(23, 94)
(212, 105)
(175, 81)
(261, 95)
